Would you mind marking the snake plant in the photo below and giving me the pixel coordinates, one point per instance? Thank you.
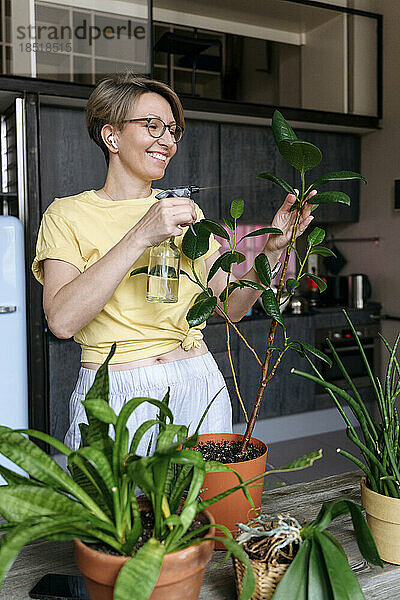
(96, 500)
(378, 441)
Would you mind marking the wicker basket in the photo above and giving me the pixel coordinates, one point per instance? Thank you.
(273, 563)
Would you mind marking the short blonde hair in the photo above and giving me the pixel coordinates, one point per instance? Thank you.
(112, 98)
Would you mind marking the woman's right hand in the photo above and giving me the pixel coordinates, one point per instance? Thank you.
(165, 219)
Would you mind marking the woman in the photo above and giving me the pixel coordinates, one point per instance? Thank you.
(88, 244)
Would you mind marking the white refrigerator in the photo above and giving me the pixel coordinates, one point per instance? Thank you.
(13, 346)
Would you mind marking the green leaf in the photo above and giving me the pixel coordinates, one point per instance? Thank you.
(292, 284)
(140, 573)
(316, 236)
(319, 587)
(214, 267)
(281, 128)
(216, 228)
(343, 582)
(194, 246)
(262, 231)
(230, 258)
(302, 462)
(201, 311)
(100, 409)
(139, 271)
(322, 251)
(228, 223)
(271, 306)
(303, 156)
(325, 197)
(263, 268)
(251, 284)
(338, 176)
(12, 478)
(237, 208)
(281, 182)
(318, 353)
(293, 585)
(230, 288)
(320, 282)
(248, 581)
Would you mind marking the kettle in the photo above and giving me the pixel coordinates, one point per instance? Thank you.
(359, 290)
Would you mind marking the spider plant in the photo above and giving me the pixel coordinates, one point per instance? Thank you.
(378, 440)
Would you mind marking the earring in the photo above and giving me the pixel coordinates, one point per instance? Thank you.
(112, 142)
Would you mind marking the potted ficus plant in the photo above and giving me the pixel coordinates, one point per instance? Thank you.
(376, 440)
(303, 156)
(158, 545)
(294, 562)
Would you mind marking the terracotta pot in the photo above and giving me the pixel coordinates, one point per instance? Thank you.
(181, 574)
(234, 508)
(383, 517)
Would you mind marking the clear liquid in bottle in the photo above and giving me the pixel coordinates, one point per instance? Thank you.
(163, 273)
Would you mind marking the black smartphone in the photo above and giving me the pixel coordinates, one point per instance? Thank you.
(60, 587)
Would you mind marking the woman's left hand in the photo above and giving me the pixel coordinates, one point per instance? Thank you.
(284, 219)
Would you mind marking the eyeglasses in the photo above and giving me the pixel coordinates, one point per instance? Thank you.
(156, 127)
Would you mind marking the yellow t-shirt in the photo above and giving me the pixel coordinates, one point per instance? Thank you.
(80, 230)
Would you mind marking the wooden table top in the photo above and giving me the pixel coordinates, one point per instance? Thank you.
(302, 500)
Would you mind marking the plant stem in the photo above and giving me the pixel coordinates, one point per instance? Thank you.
(232, 324)
(271, 336)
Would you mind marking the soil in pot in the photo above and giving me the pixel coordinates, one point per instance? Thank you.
(180, 577)
(227, 451)
(235, 508)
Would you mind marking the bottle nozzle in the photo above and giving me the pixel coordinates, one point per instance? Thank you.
(194, 189)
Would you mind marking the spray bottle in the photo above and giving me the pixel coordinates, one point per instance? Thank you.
(163, 270)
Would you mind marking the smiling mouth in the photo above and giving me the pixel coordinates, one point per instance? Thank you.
(157, 156)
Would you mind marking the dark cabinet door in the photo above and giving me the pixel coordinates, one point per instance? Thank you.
(69, 163)
(246, 151)
(340, 152)
(196, 162)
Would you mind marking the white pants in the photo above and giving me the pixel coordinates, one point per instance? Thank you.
(193, 383)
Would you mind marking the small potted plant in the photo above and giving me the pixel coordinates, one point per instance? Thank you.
(376, 440)
(303, 156)
(294, 562)
(158, 545)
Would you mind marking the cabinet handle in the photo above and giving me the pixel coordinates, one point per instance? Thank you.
(7, 309)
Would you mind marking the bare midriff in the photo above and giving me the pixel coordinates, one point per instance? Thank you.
(176, 354)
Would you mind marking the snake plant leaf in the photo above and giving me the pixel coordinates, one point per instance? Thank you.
(316, 236)
(237, 208)
(344, 584)
(201, 311)
(248, 581)
(338, 176)
(320, 282)
(100, 463)
(293, 585)
(303, 156)
(271, 306)
(322, 251)
(300, 463)
(139, 271)
(48, 439)
(263, 268)
(292, 284)
(14, 479)
(315, 351)
(101, 410)
(216, 228)
(319, 587)
(140, 573)
(262, 231)
(24, 501)
(281, 182)
(39, 465)
(140, 432)
(325, 197)
(194, 246)
(86, 476)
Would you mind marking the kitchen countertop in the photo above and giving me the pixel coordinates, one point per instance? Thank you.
(302, 500)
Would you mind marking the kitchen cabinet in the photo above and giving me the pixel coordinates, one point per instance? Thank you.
(196, 162)
(246, 151)
(340, 152)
